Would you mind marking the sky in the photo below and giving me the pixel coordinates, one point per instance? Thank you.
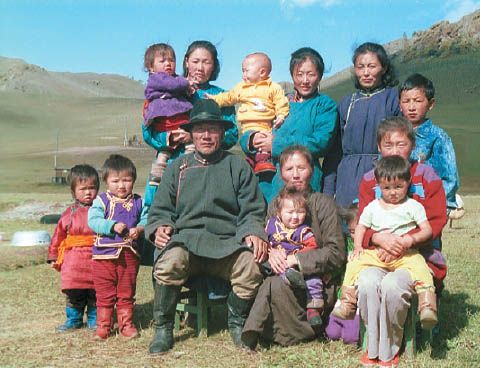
(111, 36)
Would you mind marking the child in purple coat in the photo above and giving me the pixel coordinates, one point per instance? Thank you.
(288, 231)
(117, 217)
(166, 107)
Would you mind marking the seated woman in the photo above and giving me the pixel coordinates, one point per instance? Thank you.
(279, 313)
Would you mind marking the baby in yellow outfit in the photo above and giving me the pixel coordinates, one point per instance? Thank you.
(263, 104)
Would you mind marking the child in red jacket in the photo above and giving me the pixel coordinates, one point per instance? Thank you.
(70, 251)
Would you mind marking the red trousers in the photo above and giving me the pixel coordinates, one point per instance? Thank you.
(115, 280)
(169, 123)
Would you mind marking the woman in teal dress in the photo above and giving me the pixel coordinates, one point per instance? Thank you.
(312, 122)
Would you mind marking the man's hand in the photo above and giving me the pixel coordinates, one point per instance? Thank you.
(260, 247)
(162, 235)
(278, 260)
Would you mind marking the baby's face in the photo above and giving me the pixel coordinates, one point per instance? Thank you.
(393, 191)
(253, 70)
(163, 63)
(291, 215)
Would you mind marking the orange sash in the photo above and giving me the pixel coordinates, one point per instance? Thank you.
(72, 241)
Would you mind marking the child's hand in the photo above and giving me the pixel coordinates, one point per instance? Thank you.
(192, 87)
(278, 121)
(408, 241)
(357, 252)
(180, 136)
(135, 232)
(208, 95)
(120, 228)
(384, 256)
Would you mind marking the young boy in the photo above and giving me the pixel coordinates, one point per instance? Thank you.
(118, 219)
(396, 213)
(263, 104)
(433, 146)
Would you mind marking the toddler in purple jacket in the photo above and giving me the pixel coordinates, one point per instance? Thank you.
(288, 231)
(166, 107)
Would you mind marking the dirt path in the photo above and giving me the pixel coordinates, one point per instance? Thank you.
(33, 210)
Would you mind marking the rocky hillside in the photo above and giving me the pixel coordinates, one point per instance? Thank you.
(440, 40)
(18, 76)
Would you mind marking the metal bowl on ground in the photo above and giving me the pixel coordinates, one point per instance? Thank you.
(29, 238)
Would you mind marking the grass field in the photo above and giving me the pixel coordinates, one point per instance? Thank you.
(32, 306)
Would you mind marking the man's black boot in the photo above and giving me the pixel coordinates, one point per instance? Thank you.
(164, 306)
(238, 310)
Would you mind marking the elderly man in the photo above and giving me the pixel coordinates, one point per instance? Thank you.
(206, 219)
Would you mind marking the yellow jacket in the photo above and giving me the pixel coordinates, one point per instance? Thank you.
(259, 103)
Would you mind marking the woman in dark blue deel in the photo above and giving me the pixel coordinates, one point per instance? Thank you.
(360, 113)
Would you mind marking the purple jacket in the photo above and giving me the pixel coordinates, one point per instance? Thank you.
(289, 239)
(127, 211)
(166, 96)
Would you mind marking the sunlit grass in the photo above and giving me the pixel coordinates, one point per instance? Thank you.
(32, 306)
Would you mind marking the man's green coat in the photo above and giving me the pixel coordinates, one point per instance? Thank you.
(211, 205)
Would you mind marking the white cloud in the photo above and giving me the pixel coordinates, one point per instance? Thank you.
(456, 9)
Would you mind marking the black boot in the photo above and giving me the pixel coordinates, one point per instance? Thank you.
(238, 310)
(295, 278)
(164, 306)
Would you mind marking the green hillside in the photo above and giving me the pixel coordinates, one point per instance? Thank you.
(457, 83)
(88, 130)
